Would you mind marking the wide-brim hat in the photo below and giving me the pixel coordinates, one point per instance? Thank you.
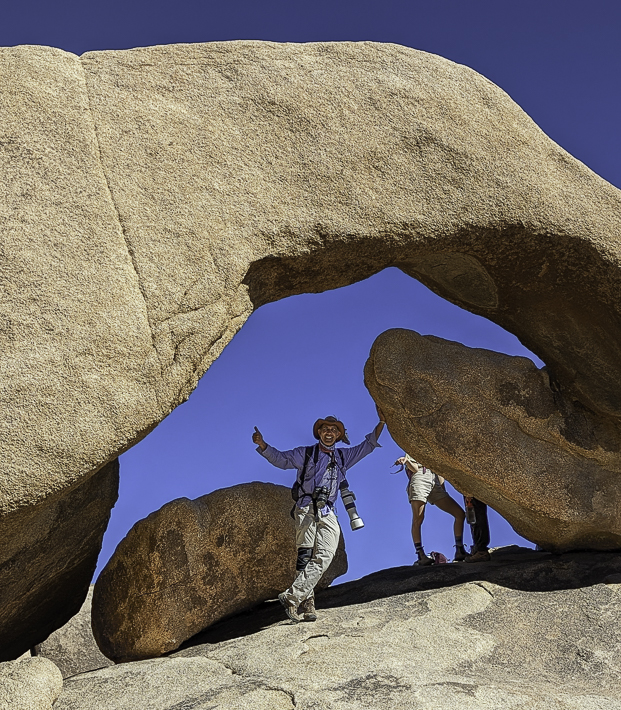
(331, 420)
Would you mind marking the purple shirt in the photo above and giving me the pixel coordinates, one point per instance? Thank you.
(294, 458)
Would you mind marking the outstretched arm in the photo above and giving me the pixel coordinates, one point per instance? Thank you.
(294, 458)
(356, 453)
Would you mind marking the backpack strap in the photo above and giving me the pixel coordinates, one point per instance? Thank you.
(298, 487)
(344, 484)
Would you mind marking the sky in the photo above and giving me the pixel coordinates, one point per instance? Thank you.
(560, 60)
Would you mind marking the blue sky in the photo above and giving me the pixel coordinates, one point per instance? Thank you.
(302, 358)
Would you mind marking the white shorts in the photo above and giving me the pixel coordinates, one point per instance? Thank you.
(425, 486)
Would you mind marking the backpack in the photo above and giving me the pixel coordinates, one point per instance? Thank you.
(297, 489)
(438, 558)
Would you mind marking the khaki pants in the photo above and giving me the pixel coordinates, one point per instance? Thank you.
(323, 536)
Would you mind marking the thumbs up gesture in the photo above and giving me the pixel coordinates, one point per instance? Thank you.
(257, 438)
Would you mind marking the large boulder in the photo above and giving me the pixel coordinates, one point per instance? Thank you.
(29, 684)
(72, 647)
(193, 562)
(244, 172)
(197, 182)
(501, 429)
(76, 355)
(530, 631)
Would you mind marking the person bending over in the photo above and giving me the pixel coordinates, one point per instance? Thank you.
(317, 530)
(424, 486)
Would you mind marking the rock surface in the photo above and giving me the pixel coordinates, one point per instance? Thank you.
(496, 427)
(48, 557)
(76, 355)
(193, 562)
(244, 172)
(72, 648)
(29, 684)
(523, 631)
(198, 182)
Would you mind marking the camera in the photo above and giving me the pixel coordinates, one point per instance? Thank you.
(348, 499)
(320, 496)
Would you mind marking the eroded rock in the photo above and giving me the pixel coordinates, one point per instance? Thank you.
(29, 684)
(162, 684)
(193, 562)
(151, 198)
(538, 632)
(497, 427)
(72, 647)
(48, 557)
(244, 172)
(76, 355)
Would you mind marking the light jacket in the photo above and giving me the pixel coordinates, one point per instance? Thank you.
(294, 458)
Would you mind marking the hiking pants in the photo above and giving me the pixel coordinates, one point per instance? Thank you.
(323, 537)
(480, 530)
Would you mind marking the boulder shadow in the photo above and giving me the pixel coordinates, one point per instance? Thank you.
(515, 568)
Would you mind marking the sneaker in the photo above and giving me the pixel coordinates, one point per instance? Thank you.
(291, 608)
(460, 553)
(307, 609)
(423, 560)
(479, 556)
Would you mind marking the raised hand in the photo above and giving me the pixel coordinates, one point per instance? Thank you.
(257, 437)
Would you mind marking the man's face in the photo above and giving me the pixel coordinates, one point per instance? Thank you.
(329, 434)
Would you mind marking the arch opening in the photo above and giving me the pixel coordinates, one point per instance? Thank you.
(293, 361)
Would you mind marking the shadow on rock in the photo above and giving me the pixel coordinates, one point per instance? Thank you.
(517, 568)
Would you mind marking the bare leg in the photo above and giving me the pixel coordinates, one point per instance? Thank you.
(418, 515)
(448, 505)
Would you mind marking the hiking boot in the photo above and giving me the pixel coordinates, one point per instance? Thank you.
(460, 553)
(423, 560)
(479, 556)
(307, 609)
(291, 608)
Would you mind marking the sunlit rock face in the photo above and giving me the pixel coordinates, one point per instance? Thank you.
(193, 562)
(499, 428)
(526, 630)
(76, 354)
(151, 198)
(29, 684)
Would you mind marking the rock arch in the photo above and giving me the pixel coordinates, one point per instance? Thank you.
(154, 197)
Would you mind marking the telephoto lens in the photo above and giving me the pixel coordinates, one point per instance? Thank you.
(348, 499)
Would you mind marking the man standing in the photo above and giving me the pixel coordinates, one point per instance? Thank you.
(321, 469)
